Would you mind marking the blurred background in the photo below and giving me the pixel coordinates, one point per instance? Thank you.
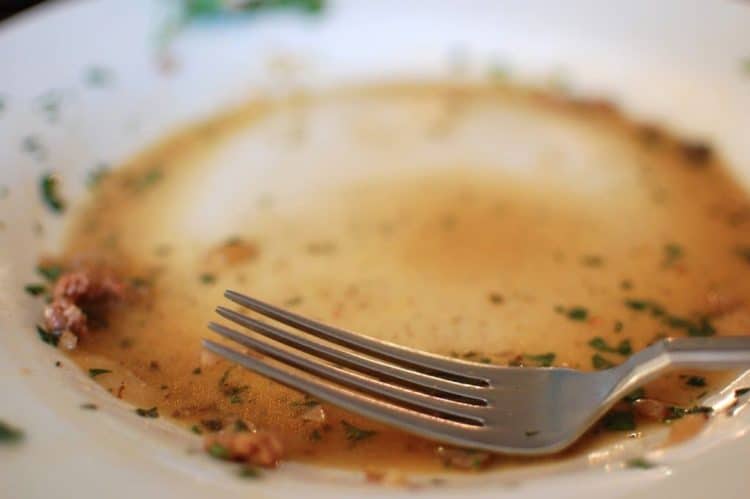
(10, 7)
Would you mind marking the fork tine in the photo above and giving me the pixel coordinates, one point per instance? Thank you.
(422, 424)
(415, 401)
(433, 365)
(416, 381)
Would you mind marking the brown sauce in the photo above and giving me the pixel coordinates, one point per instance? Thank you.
(474, 257)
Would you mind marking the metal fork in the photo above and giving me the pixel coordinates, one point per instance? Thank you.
(513, 410)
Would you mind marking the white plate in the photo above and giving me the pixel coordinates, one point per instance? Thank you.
(675, 61)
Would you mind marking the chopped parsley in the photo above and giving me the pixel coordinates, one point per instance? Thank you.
(626, 284)
(354, 434)
(9, 434)
(193, 9)
(32, 145)
(495, 298)
(249, 472)
(600, 362)
(93, 373)
(618, 326)
(88, 406)
(573, 313)
(531, 433)
(542, 359)
(148, 413)
(144, 181)
(592, 261)
(741, 391)
(35, 289)
(207, 278)
(98, 76)
(619, 421)
(306, 402)
(240, 426)
(50, 272)
(639, 463)
(218, 451)
(196, 429)
(696, 381)
(47, 337)
(672, 254)
(49, 185)
(212, 424)
(699, 327)
(600, 344)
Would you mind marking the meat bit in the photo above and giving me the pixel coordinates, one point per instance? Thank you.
(74, 291)
(464, 459)
(259, 448)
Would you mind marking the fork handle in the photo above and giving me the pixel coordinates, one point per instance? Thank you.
(731, 352)
(711, 354)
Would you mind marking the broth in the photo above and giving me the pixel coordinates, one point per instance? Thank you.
(488, 223)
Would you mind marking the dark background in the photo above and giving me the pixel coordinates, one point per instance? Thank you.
(10, 7)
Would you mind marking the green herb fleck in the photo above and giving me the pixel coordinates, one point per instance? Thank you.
(50, 272)
(696, 381)
(575, 313)
(148, 413)
(35, 289)
(249, 472)
(600, 344)
(306, 402)
(93, 373)
(98, 76)
(88, 406)
(600, 362)
(672, 254)
(592, 261)
(212, 425)
(9, 434)
(703, 328)
(637, 304)
(47, 337)
(741, 391)
(194, 9)
(495, 298)
(146, 180)
(531, 433)
(315, 436)
(618, 326)
(197, 371)
(218, 451)
(240, 426)
(293, 301)
(196, 429)
(639, 463)
(543, 359)
(354, 434)
(626, 284)
(33, 146)
(619, 421)
(207, 278)
(49, 185)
